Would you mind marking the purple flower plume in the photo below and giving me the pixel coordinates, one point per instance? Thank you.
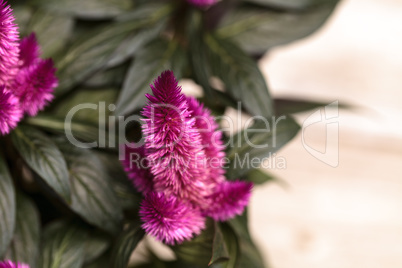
(181, 175)
(229, 199)
(10, 112)
(29, 51)
(34, 85)
(10, 264)
(173, 145)
(169, 219)
(137, 166)
(202, 3)
(8, 44)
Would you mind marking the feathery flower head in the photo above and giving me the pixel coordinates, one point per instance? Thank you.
(10, 264)
(136, 165)
(10, 112)
(229, 199)
(182, 187)
(8, 43)
(170, 220)
(29, 51)
(34, 85)
(172, 143)
(202, 3)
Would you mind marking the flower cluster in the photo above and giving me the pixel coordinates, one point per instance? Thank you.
(181, 174)
(202, 3)
(10, 264)
(26, 81)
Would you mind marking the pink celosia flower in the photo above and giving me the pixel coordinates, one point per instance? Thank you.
(34, 85)
(8, 44)
(10, 112)
(137, 168)
(173, 145)
(169, 219)
(229, 199)
(185, 182)
(10, 264)
(202, 3)
(29, 51)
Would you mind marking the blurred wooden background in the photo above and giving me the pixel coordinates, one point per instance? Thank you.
(349, 216)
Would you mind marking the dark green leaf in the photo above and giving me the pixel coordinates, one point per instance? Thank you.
(7, 206)
(248, 255)
(92, 195)
(94, 9)
(79, 130)
(96, 244)
(125, 245)
(258, 176)
(25, 244)
(295, 105)
(288, 4)
(250, 147)
(52, 31)
(63, 246)
(113, 77)
(92, 51)
(240, 74)
(256, 30)
(205, 249)
(43, 156)
(150, 62)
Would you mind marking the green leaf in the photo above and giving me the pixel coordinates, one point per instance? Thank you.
(52, 31)
(92, 195)
(240, 74)
(112, 77)
(96, 244)
(42, 155)
(92, 9)
(80, 130)
(92, 51)
(288, 4)
(250, 147)
(25, 244)
(256, 30)
(205, 249)
(63, 246)
(296, 105)
(151, 61)
(125, 245)
(7, 206)
(258, 176)
(248, 255)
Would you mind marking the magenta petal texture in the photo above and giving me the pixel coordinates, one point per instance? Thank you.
(10, 112)
(137, 168)
(34, 86)
(229, 199)
(10, 264)
(173, 144)
(170, 220)
(29, 51)
(202, 3)
(9, 38)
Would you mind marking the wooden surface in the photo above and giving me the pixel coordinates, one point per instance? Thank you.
(349, 216)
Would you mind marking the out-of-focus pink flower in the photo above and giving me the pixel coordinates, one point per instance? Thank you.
(34, 85)
(8, 44)
(10, 264)
(202, 3)
(137, 167)
(29, 51)
(169, 219)
(229, 199)
(10, 112)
